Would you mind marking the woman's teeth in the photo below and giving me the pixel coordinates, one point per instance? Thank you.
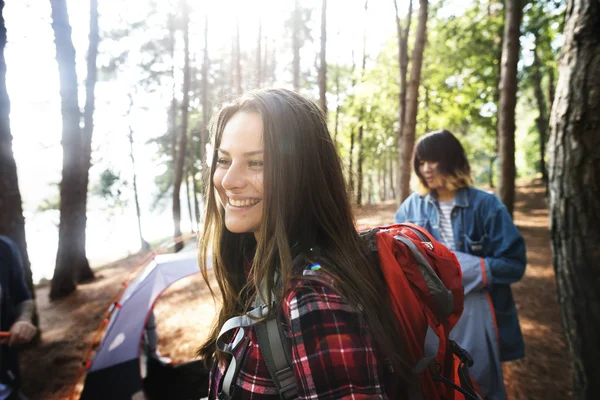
(243, 203)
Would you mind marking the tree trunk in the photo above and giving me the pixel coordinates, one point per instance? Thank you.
(12, 222)
(323, 62)
(86, 274)
(238, 59)
(550, 87)
(258, 54)
(172, 119)
(381, 181)
(337, 104)
(182, 146)
(205, 115)
(296, 46)
(507, 103)
(542, 118)
(491, 174)
(403, 64)
(71, 256)
(144, 245)
(273, 65)
(351, 166)
(189, 199)
(574, 188)
(412, 102)
(361, 117)
(392, 189)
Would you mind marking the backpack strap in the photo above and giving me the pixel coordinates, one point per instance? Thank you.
(237, 346)
(276, 350)
(443, 297)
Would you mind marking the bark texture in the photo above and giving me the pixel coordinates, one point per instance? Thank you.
(574, 192)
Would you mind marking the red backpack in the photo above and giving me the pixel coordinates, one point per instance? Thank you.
(426, 294)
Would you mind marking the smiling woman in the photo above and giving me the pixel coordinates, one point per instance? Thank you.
(280, 229)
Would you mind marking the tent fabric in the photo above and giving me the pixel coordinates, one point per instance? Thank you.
(121, 342)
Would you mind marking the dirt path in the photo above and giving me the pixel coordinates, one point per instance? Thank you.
(185, 310)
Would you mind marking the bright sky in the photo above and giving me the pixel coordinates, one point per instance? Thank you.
(33, 87)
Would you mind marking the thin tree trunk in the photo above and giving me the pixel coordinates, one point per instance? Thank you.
(238, 59)
(265, 62)
(144, 245)
(172, 120)
(337, 104)
(403, 63)
(12, 222)
(205, 115)
(426, 90)
(381, 182)
(259, 68)
(412, 102)
(550, 87)
(296, 46)
(71, 256)
(273, 66)
(392, 189)
(351, 166)
(181, 151)
(86, 274)
(323, 62)
(187, 174)
(361, 116)
(508, 102)
(574, 188)
(542, 118)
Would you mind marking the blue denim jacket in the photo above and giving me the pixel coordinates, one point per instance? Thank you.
(483, 230)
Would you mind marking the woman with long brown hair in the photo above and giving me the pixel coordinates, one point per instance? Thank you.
(278, 221)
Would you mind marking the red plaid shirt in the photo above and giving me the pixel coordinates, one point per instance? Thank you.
(332, 351)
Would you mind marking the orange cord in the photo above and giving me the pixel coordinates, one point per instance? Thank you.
(86, 359)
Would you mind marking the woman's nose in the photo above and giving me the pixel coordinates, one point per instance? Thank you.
(234, 177)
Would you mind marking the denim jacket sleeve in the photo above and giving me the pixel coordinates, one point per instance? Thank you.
(476, 275)
(507, 258)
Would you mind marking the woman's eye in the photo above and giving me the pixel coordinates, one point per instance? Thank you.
(255, 163)
(222, 161)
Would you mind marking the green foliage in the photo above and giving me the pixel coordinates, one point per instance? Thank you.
(110, 187)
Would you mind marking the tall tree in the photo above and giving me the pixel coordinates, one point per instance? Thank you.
(412, 101)
(205, 106)
(507, 102)
(259, 68)
(182, 145)
(144, 245)
(12, 223)
(361, 116)
(574, 192)
(323, 60)
(86, 274)
(542, 119)
(71, 255)
(403, 63)
(237, 59)
(296, 22)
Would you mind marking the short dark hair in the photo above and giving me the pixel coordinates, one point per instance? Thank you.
(443, 147)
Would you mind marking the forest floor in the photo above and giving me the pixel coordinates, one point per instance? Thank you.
(184, 314)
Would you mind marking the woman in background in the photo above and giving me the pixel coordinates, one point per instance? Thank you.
(491, 251)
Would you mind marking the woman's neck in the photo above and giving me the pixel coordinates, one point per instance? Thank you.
(444, 194)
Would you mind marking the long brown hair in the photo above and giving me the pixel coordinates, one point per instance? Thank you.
(305, 204)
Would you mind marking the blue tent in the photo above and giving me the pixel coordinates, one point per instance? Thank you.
(115, 370)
